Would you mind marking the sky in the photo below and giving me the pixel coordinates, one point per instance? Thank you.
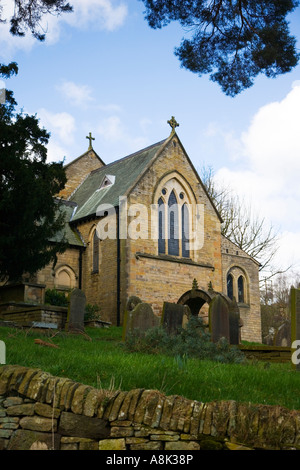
(103, 70)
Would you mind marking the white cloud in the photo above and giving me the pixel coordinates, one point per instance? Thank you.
(268, 166)
(62, 127)
(88, 14)
(112, 130)
(78, 95)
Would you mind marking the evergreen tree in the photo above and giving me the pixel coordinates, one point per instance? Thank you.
(29, 214)
(231, 40)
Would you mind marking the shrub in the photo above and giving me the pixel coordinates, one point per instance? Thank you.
(54, 297)
(91, 312)
(193, 341)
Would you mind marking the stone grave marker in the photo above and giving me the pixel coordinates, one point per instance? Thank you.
(295, 326)
(174, 317)
(219, 319)
(139, 319)
(76, 311)
(283, 335)
(234, 322)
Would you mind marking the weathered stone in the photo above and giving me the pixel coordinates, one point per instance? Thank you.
(210, 444)
(6, 433)
(112, 444)
(122, 431)
(46, 411)
(191, 445)
(139, 320)
(11, 401)
(117, 405)
(172, 317)
(79, 397)
(167, 412)
(23, 439)
(83, 426)
(36, 423)
(152, 445)
(76, 311)
(219, 319)
(92, 402)
(21, 410)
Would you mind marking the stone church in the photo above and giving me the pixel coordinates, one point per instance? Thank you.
(144, 225)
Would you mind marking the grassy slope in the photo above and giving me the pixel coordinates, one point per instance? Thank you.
(99, 359)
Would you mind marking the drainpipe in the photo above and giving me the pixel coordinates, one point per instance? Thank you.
(118, 269)
(80, 269)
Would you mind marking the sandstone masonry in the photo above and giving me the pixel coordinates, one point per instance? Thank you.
(40, 411)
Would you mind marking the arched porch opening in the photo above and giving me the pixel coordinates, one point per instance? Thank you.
(196, 299)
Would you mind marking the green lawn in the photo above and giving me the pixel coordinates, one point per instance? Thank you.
(100, 359)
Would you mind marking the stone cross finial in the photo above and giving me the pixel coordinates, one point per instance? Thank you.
(173, 123)
(90, 139)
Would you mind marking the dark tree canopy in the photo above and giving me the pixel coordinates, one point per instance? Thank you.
(29, 214)
(231, 40)
(28, 13)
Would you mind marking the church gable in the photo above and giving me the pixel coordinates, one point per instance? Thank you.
(78, 170)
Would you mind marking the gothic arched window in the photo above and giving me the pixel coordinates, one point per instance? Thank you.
(241, 295)
(230, 286)
(173, 226)
(95, 251)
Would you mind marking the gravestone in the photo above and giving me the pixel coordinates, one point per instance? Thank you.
(283, 335)
(138, 320)
(76, 311)
(234, 322)
(295, 326)
(174, 317)
(219, 319)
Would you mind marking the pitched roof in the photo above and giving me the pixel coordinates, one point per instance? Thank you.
(88, 196)
(71, 235)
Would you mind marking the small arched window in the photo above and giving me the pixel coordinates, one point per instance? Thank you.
(241, 293)
(95, 252)
(230, 286)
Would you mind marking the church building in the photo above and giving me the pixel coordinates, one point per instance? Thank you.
(145, 225)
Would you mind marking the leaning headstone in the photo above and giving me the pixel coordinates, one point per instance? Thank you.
(174, 317)
(219, 319)
(139, 320)
(76, 311)
(234, 322)
(295, 326)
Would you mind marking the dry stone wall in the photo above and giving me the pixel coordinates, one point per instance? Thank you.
(40, 411)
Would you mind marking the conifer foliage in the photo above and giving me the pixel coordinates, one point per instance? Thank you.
(231, 40)
(29, 214)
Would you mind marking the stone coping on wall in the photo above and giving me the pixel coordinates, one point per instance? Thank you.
(37, 408)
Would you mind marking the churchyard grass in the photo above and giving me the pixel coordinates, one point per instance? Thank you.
(98, 358)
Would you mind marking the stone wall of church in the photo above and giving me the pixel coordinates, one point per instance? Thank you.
(68, 259)
(237, 263)
(100, 287)
(77, 171)
(156, 279)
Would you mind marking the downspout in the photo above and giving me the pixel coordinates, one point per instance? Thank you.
(80, 269)
(118, 269)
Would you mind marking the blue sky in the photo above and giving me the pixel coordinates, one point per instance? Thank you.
(103, 70)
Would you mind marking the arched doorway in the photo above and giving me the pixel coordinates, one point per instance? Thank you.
(196, 299)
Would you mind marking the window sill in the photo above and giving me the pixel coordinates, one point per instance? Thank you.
(173, 259)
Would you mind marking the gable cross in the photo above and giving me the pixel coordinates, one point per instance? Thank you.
(90, 139)
(173, 123)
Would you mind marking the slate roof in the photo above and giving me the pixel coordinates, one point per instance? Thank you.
(88, 196)
(71, 235)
